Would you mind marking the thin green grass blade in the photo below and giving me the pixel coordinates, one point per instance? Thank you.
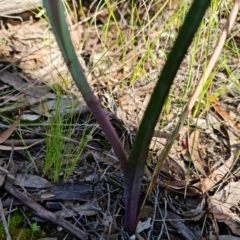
(136, 163)
(55, 12)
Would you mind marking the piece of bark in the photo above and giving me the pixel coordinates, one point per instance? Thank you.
(43, 213)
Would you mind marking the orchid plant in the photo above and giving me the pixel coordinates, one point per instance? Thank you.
(132, 167)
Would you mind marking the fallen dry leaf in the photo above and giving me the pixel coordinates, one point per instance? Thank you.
(193, 150)
(216, 176)
(32, 181)
(9, 148)
(226, 203)
(6, 134)
(225, 115)
(196, 213)
(88, 209)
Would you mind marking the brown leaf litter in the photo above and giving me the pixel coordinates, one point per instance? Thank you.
(204, 158)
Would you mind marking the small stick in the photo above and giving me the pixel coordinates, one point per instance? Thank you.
(4, 220)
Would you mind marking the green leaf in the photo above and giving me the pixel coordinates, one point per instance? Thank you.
(136, 163)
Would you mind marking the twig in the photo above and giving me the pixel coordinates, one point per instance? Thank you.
(4, 220)
(43, 213)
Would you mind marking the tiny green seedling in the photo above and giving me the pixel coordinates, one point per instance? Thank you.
(35, 227)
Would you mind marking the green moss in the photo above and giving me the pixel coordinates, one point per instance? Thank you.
(18, 231)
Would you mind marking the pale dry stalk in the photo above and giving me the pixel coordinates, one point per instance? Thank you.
(192, 100)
